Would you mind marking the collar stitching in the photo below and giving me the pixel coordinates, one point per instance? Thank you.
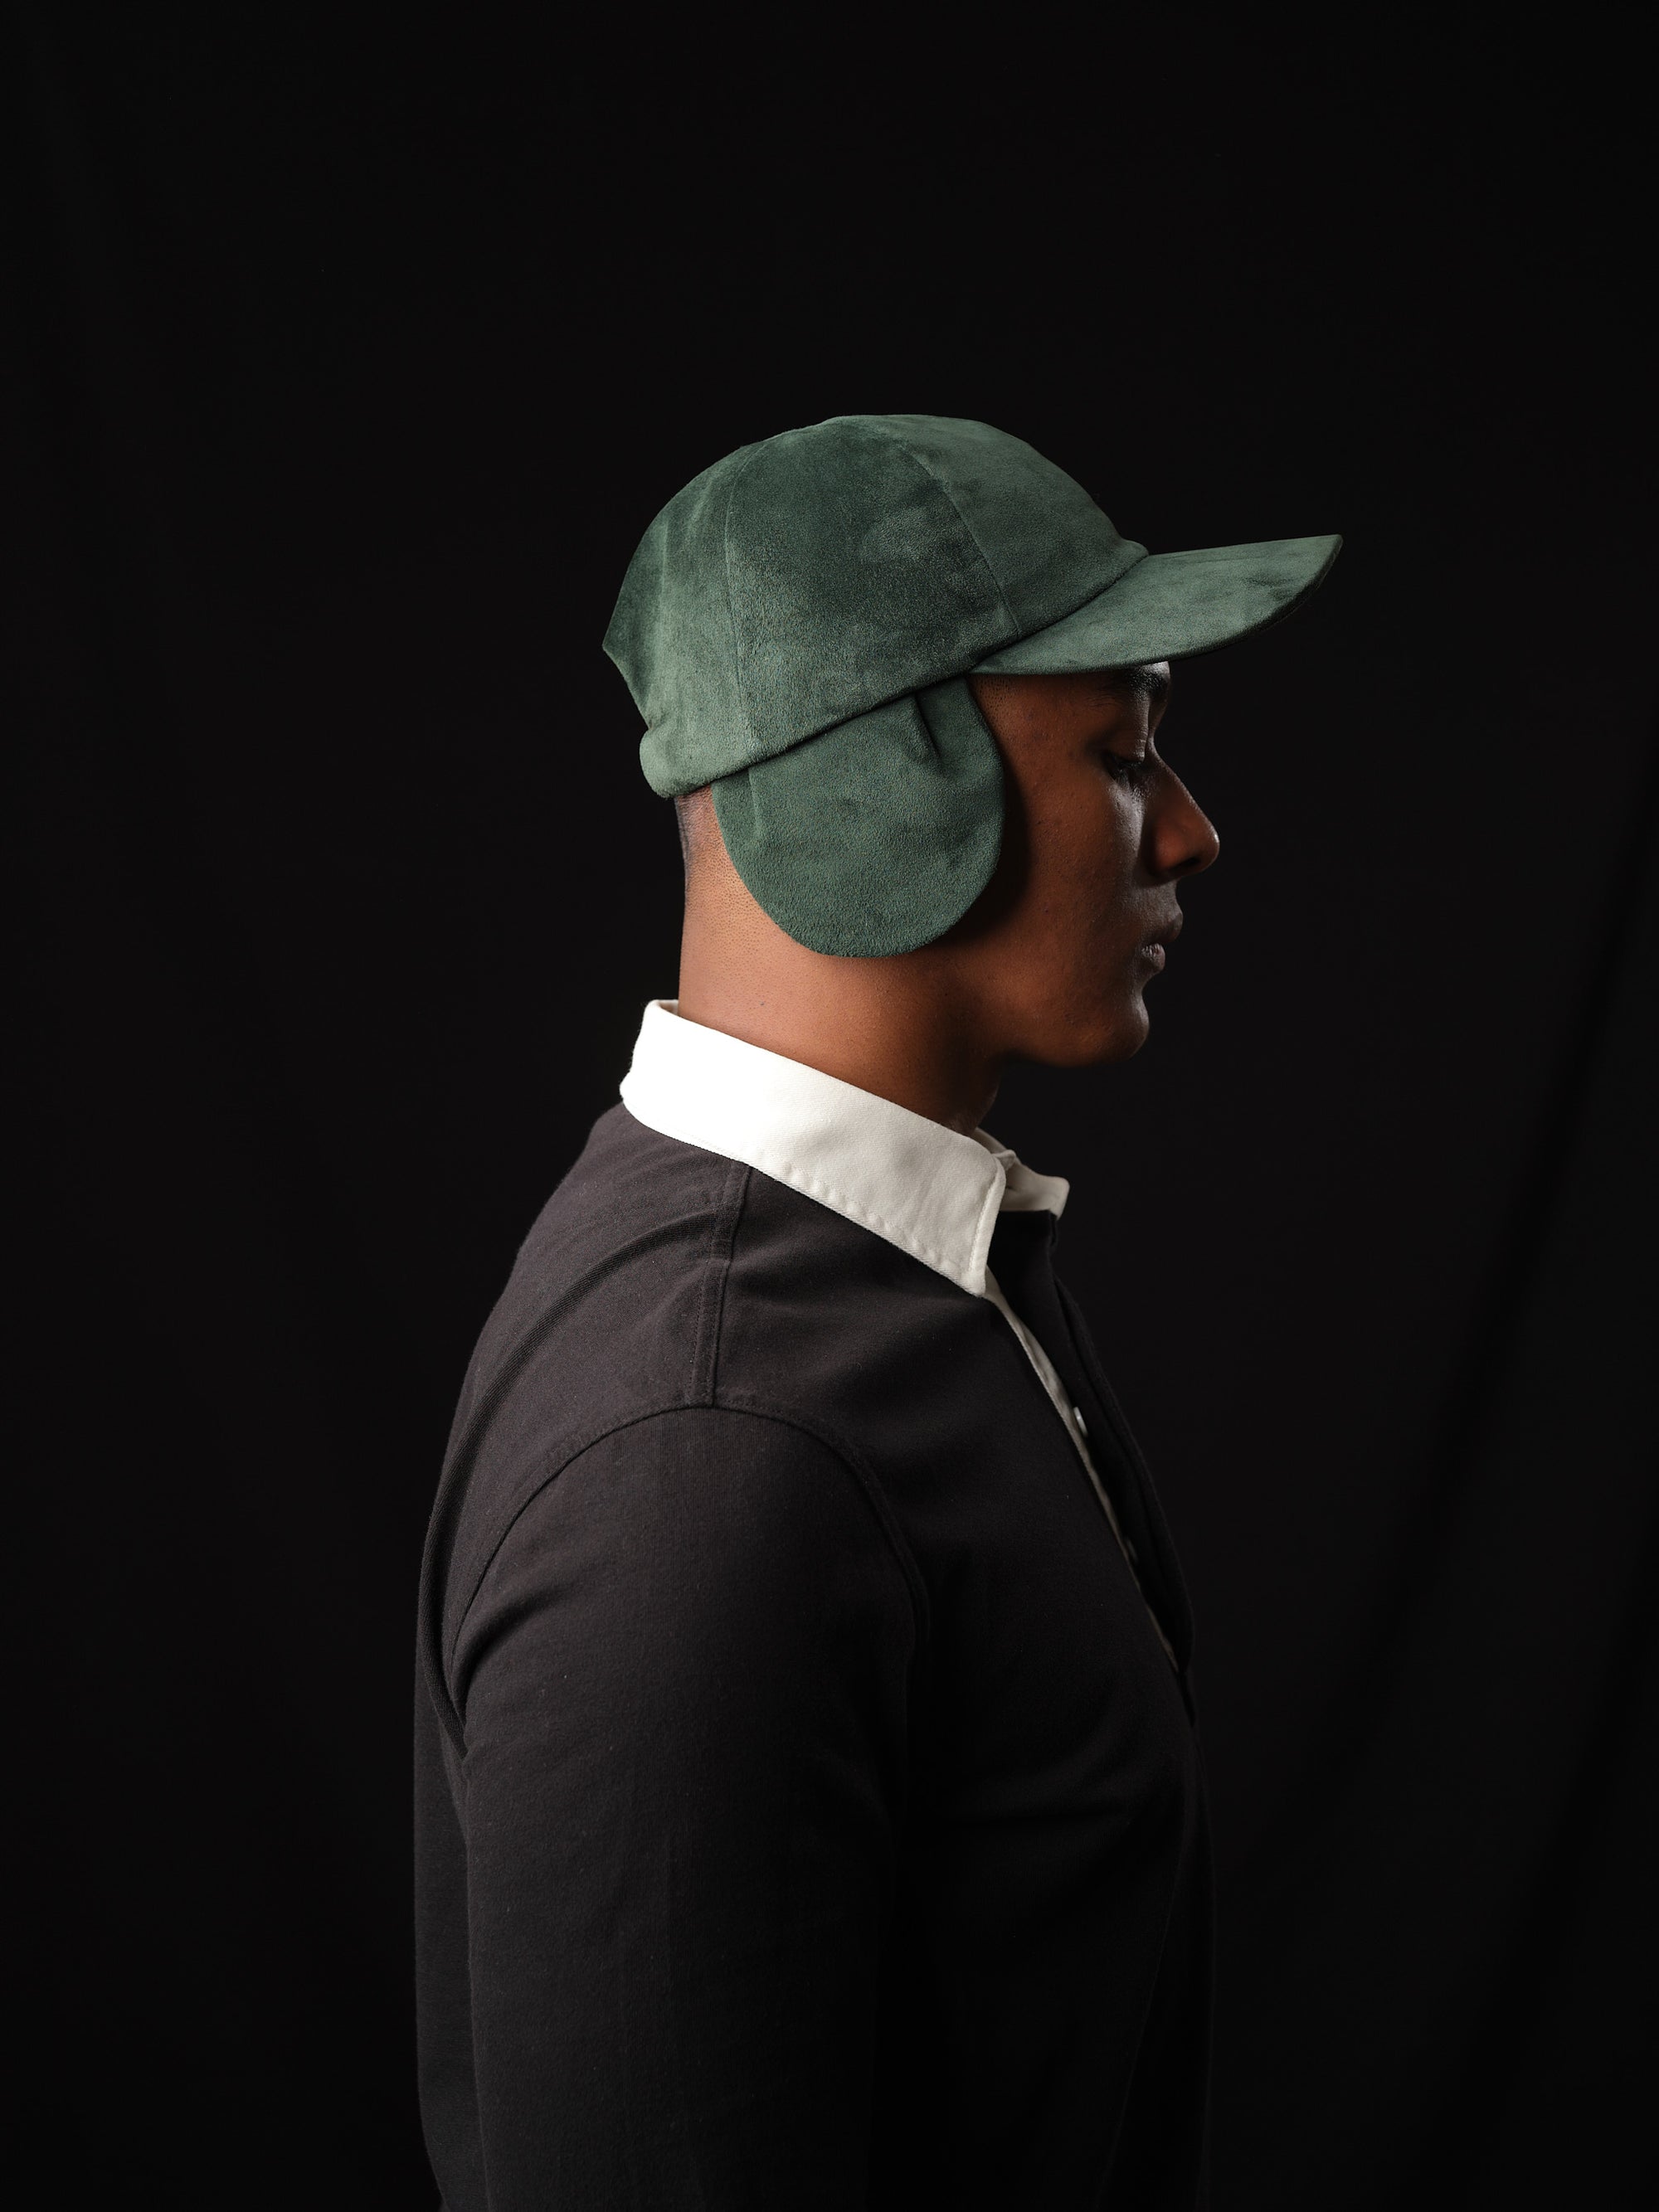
(799, 1179)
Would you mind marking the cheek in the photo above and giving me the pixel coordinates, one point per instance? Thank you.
(1097, 859)
(1083, 833)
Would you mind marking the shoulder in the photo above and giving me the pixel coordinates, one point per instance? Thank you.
(684, 1523)
(679, 1333)
(602, 1314)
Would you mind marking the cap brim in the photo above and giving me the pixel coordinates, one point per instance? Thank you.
(1172, 605)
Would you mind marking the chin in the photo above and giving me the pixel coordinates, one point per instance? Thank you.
(1096, 1037)
(1130, 1033)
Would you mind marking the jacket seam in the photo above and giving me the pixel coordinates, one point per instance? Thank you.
(711, 1312)
(842, 1447)
(863, 1479)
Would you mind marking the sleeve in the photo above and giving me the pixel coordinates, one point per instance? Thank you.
(683, 1683)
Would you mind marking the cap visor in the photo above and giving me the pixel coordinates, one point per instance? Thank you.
(1172, 605)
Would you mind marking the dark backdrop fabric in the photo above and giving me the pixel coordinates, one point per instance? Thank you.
(352, 350)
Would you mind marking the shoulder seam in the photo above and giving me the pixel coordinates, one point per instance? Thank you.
(841, 1447)
(850, 1458)
(711, 1310)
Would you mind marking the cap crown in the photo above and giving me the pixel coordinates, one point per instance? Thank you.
(826, 571)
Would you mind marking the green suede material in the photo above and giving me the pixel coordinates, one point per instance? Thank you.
(873, 836)
(795, 623)
(672, 636)
(1046, 542)
(825, 571)
(1171, 606)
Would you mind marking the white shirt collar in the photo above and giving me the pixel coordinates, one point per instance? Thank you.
(931, 1191)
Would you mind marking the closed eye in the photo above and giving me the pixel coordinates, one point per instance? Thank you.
(1135, 769)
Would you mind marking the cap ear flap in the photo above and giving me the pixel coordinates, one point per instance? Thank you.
(874, 836)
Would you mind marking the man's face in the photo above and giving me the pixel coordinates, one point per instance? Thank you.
(1099, 830)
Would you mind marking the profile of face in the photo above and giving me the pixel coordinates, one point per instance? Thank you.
(1098, 833)
(1051, 962)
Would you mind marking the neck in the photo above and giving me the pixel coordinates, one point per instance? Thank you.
(901, 1027)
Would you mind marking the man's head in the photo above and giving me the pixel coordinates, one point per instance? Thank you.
(904, 676)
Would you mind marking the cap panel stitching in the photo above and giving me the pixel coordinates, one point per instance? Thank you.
(934, 477)
(754, 454)
(893, 437)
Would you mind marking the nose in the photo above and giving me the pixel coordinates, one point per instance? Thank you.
(1182, 836)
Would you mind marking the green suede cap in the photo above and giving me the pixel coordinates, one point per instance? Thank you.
(798, 625)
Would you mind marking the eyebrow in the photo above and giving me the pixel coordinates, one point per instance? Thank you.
(1145, 681)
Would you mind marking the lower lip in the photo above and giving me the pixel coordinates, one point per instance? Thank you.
(1153, 955)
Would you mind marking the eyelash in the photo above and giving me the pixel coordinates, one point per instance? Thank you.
(1136, 772)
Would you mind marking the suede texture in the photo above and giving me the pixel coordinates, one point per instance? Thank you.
(796, 625)
(874, 836)
(1173, 606)
(827, 571)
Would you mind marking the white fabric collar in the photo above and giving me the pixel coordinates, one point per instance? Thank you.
(929, 1190)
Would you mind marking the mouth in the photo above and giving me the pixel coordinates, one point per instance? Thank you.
(1155, 946)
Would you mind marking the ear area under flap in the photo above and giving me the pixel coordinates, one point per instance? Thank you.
(876, 836)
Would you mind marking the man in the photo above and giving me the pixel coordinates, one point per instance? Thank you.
(810, 1813)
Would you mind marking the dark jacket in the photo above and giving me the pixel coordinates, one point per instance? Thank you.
(809, 1816)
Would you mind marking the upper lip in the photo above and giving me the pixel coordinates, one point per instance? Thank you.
(1166, 932)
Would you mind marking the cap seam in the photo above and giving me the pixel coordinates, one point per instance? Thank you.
(1088, 598)
(730, 619)
(934, 478)
(893, 437)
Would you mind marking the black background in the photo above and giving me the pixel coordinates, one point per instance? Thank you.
(357, 347)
